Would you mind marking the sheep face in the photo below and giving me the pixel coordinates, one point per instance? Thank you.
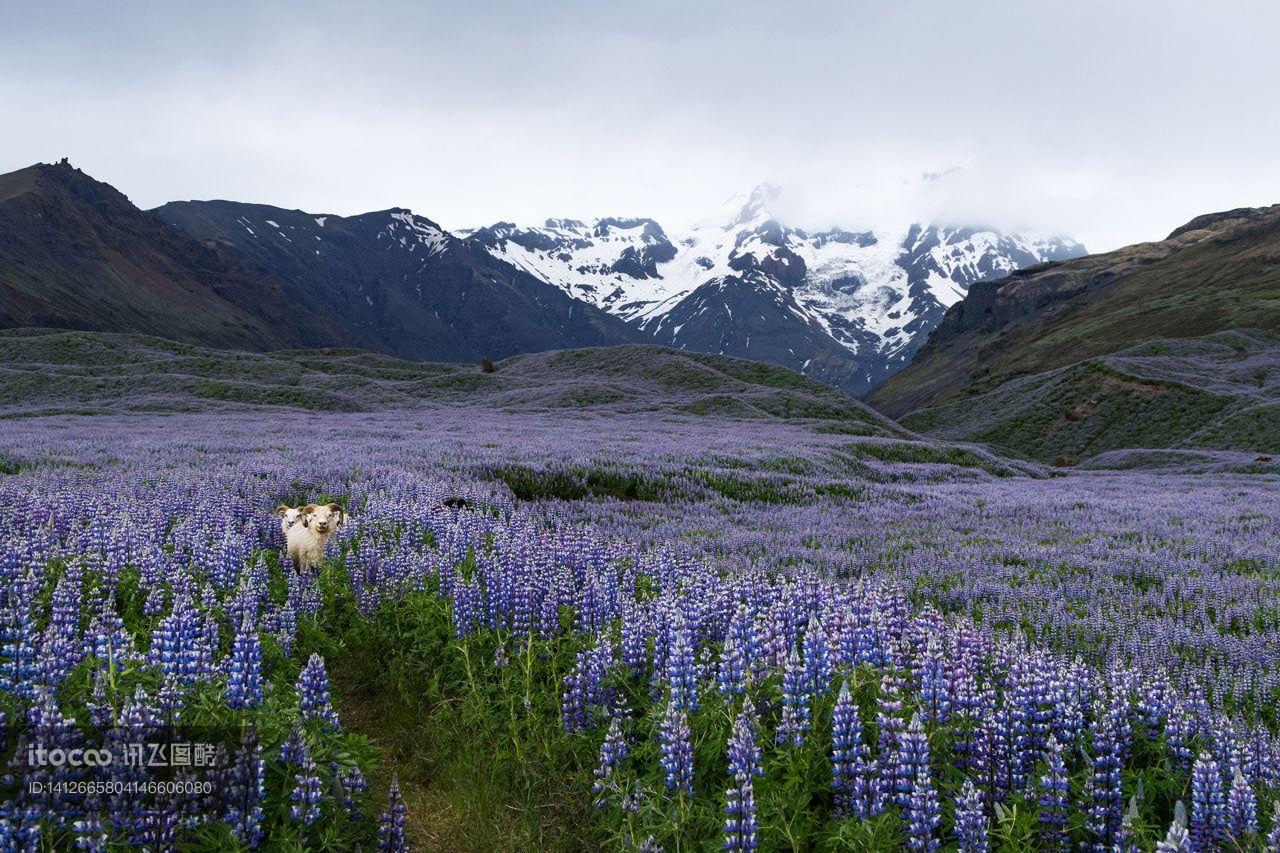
(322, 519)
(288, 515)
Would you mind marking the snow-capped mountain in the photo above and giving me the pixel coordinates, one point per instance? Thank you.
(847, 307)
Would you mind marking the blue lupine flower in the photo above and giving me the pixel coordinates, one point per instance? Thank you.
(175, 644)
(613, 752)
(89, 834)
(971, 820)
(1208, 807)
(314, 701)
(920, 812)
(681, 669)
(586, 687)
(935, 682)
(740, 825)
(677, 751)
(795, 702)
(246, 791)
(893, 784)
(354, 786)
(391, 822)
(818, 664)
(244, 672)
(1242, 809)
(1055, 802)
(1106, 807)
(294, 748)
(169, 700)
(306, 795)
(852, 771)
(737, 653)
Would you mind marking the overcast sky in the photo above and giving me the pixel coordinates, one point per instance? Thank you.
(1109, 121)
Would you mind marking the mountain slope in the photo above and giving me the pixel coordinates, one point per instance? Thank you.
(46, 371)
(397, 282)
(1219, 392)
(845, 307)
(1219, 272)
(76, 253)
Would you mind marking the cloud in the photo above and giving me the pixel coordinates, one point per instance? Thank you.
(1111, 122)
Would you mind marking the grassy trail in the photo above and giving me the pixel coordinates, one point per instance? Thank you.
(478, 769)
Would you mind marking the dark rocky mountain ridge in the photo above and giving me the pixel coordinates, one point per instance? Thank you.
(76, 253)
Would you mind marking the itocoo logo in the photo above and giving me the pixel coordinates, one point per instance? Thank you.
(40, 756)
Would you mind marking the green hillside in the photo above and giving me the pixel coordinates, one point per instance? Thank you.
(56, 372)
(1219, 392)
(1220, 272)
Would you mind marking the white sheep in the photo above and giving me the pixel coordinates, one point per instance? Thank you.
(288, 515)
(307, 539)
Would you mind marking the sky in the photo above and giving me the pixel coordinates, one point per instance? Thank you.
(1111, 122)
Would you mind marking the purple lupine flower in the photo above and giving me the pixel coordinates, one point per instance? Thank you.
(1242, 809)
(354, 786)
(737, 653)
(244, 672)
(935, 682)
(893, 785)
(677, 751)
(913, 753)
(681, 669)
(744, 767)
(175, 643)
(245, 792)
(391, 822)
(586, 687)
(795, 702)
(1055, 801)
(108, 639)
(852, 771)
(818, 664)
(294, 748)
(60, 649)
(1178, 839)
(88, 834)
(306, 795)
(920, 811)
(635, 640)
(154, 605)
(169, 700)
(971, 820)
(100, 708)
(1106, 807)
(1208, 808)
(922, 815)
(613, 752)
(314, 700)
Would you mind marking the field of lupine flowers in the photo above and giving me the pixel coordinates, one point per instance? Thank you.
(645, 633)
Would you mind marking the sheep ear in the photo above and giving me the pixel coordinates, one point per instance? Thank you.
(280, 510)
(306, 514)
(338, 509)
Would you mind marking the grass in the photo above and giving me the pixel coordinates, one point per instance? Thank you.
(1214, 393)
(478, 748)
(111, 372)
